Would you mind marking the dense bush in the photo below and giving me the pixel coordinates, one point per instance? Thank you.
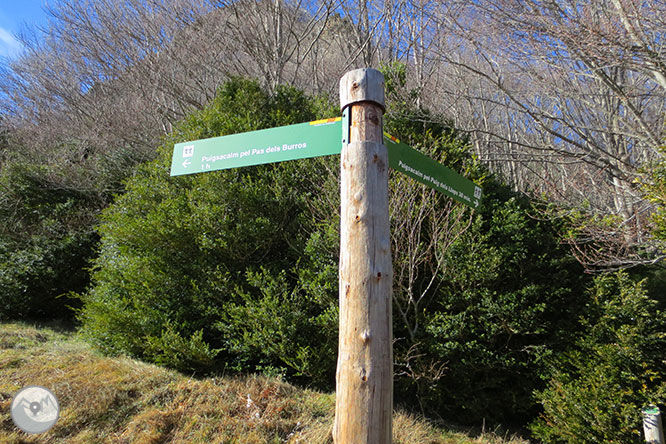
(213, 270)
(509, 297)
(46, 240)
(50, 197)
(480, 297)
(505, 296)
(597, 390)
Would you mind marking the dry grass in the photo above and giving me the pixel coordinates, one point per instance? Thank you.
(117, 400)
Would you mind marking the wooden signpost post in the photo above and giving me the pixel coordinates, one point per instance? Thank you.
(364, 377)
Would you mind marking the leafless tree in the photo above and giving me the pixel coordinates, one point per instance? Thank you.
(565, 98)
(87, 77)
(274, 39)
(424, 224)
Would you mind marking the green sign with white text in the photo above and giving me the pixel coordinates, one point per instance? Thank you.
(313, 139)
(425, 170)
(300, 141)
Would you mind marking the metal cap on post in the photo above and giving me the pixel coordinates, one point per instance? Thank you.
(364, 394)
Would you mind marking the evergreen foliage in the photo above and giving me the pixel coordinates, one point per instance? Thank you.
(46, 240)
(509, 297)
(505, 294)
(208, 271)
(597, 390)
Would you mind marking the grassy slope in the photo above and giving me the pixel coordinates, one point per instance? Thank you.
(117, 400)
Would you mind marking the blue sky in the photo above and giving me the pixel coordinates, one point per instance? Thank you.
(15, 15)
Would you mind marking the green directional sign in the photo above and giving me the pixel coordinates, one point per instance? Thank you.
(310, 139)
(425, 170)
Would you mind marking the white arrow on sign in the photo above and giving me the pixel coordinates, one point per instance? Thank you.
(186, 163)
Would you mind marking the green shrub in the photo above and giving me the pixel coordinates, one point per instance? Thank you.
(172, 350)
(596, 392)
(214, 262)
(286, 326)
(46, 241)
(480, 297)
(508, 296)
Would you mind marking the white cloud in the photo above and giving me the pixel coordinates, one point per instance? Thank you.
(9, 46)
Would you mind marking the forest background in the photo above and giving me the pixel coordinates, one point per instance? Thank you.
(542, 308)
